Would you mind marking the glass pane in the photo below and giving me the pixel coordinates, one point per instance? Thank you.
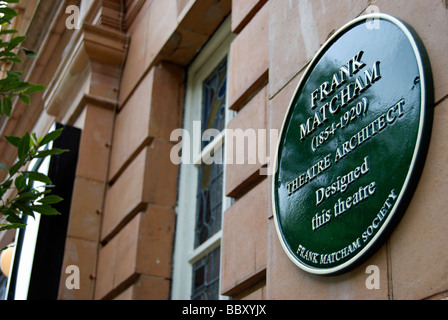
(210, 188)
(206, 277)
(214, 100)
(3, 283)
(209, 202)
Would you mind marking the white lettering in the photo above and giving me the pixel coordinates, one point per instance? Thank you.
(73, 280)
(72, 22)
(373, 280)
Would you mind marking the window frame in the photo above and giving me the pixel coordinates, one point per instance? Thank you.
(185, 255)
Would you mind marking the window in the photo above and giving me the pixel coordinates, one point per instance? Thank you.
(201, 201)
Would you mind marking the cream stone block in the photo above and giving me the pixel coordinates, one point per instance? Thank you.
(153, 111)
(420, 241)
(142, 247)
(243, 170)
(94, 146)
(430, 20)
(87, 199)
(286, 281)
(150, 178)
(147, 288)
(81, 254)
(297, 30)
(244, 241)
(249, 60)
(151, 31)
(243, 12)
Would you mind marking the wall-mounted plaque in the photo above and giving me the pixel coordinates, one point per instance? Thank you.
(353, 144)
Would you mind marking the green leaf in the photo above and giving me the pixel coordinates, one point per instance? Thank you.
(25, 99)
(14, 74)
(51, 199)
(7, 54)
(15, 42)
(6, 184)
(51, 136)
(13, 218)
(11, 59)
(8, 31)
(37, 176)
(52, 152)
(34, 88)
(34, 137)
(25, 209)
(12, 226)
(3, 190)
(26, 197)
(6, 10)
(20, 183)
(24, 146)
(8, 13)
(13, 170)
(13, 140)
(7, 106)
(45, 210)
(29, 53)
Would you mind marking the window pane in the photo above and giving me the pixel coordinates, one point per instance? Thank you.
(209, 202)
(206, 277)
(210, 187)
(3, 284)
(214, 100)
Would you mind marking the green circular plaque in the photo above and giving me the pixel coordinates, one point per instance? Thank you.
(353, 144)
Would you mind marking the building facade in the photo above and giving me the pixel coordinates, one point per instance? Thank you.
(158, 211)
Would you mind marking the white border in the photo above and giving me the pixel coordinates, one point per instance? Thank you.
(404, 190)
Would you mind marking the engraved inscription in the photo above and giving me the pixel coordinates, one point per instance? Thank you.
(352, 145)
(328, 100)
(356, 244)
(337, 99)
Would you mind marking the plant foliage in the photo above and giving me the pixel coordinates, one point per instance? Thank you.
(31, 190)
